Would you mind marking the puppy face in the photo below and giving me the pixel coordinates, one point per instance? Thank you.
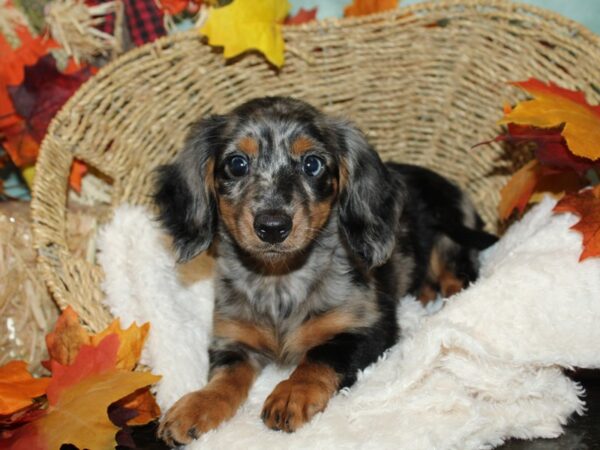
(270, 174)
(275, 182)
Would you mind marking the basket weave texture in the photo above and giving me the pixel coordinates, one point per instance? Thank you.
(425, 82)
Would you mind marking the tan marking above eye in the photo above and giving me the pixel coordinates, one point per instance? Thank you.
(248, 145)
(301, 145)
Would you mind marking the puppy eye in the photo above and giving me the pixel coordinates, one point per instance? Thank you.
(313, 166)
(238, 166)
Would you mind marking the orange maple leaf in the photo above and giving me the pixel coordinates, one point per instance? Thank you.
(530, 182)
(553, 106)
(364, 7)
(83, 390)
(18, 388)
(585, 204)
(143, 403)
(302, 16)
(68, 337)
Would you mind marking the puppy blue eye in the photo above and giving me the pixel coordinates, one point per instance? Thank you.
(313, 166)
(238, 166)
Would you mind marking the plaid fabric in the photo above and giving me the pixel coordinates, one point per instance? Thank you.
(108, 26)
(143, 18)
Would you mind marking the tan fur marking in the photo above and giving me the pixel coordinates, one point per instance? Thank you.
(436, 265)
(209, 179)
(301, 145)
(203, 410)
(450, 284)
(248, 146)
(318, 330)
(296, 400)
(344, 174)
(252, 335)
(427, 294)
(319, 214)
(228, 214)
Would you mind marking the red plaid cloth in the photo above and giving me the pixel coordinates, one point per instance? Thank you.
(143, 18)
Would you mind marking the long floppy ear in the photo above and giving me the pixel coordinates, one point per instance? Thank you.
(185, 189)
(370, 199)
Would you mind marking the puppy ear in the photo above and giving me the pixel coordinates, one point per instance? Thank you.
(370, 198)
(185, 189)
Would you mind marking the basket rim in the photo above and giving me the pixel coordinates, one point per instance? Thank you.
(47, 264)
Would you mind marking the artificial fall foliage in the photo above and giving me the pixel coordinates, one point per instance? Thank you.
(565, 133)
(553, 122)
(302, 16)
(90, 375)
(530, 182)
(586, 205)
(246, 25)
(553, 106)
(18, 388)
(364, 7)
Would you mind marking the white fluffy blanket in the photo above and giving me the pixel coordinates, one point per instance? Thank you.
(485, 368)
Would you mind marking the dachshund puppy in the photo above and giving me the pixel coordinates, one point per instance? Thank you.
(315, 241)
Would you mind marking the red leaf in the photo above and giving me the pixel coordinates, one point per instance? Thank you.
(585, 204)
(43, 92)
(14, 61)
(302, 16)
(551, 148)
(89, 361)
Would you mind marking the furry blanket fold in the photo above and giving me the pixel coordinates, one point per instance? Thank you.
(485, 368)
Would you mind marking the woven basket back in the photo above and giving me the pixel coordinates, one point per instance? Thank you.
(425, 83)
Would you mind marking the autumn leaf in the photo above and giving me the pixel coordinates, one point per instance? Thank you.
(245, 25)
(43, 92)
(68, 337)
(550, 147)
(553, 106)
(83, 390)
(78, 170)
(529, 183)
(585, 204)
(28, 50)
(131, 342)
(18, 388)
(173, 7)
(364, 7)
(517, 192)
(143, 404)
(302, 16)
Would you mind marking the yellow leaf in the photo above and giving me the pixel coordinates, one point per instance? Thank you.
(131, 342)
(68, 337)
(80, 416)
(553, 106)
(248, 24)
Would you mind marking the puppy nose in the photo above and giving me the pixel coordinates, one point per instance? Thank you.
(272, 227)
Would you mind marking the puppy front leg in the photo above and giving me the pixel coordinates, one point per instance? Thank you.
(306, 392)
(324, 370)
(203, 410)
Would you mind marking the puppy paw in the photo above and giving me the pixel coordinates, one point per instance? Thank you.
(192, 415)
(293, 403)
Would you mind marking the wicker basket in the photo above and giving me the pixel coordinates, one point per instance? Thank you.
(426, 83)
